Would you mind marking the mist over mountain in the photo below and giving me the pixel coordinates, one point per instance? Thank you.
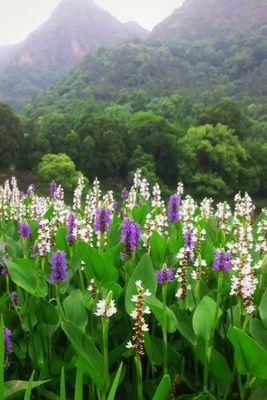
(75, 28)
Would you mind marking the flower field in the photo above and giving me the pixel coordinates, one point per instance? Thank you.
(131, 298)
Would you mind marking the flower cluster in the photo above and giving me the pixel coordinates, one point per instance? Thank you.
(173, 209)
(222, 261)
(105, 308)
(58, 267)
(130, 236)
(24, 230)
(71, 226)
(137, 315)
(165, 275)
(102, 220)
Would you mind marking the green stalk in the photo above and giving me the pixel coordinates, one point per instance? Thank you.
(24, 247)
(209, 343)
(60, 308)
(139, 377)
(164, 328)
(102, 242)
(105, 324)
(2, 357)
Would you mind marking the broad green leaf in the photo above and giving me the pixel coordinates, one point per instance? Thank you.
(250, 357)
(75, 309)
(184, 324)
(154, 349)
(204, 318)
(61, 240)
(23, 273)
(258, 332)
(218, 364)
(115, 383)
(12, 388)
(156, 307)
(92, 360)
(139, 213)
(158, 248)
(260, 393)
(48, 312)
(263, 308)
(162, 392)
(99, 266)
(144, 271)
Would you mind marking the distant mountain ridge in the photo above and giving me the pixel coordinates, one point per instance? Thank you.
(204, 46)
(75, 28)
(213, 20)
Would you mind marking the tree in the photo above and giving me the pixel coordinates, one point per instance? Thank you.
(145, 162)
(104, 146)
(210, 160)
(58, 167)
(227, 112)
(158, 138)
(10, 137)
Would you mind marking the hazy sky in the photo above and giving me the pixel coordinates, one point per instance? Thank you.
(20, 17)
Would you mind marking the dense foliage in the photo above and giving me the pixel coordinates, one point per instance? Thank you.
(131, 299)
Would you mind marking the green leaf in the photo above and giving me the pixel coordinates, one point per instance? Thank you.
(158, 247)
(156, 307)
(48, 312)
(96, 265)
(258, 332)
(144, 271)
(204, 318)
(23, 273)
(12, 388)
(62, 385)
(61, 240)
(92, 360)
(218, 364)
(115, 383)
(250, 357)
(29, 387)
(78, 394)
(75, 309)
(263, 308)
(162, 392)
(184, 324)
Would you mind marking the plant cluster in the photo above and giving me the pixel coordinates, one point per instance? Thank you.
(131, 298)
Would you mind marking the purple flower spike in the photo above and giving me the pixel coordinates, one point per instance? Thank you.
(15, 298)
(3, 270)
(222, 261)
(130, 236)
(24, 230)
(52, 188)
(102, 220)
(173, 209)
(124, 194)
(7, 341)
(58, 267)
(165, 275)
(71, 224)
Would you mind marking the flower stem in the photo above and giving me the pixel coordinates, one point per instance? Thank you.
(139, 377)
(164, 328)
(105, 323)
